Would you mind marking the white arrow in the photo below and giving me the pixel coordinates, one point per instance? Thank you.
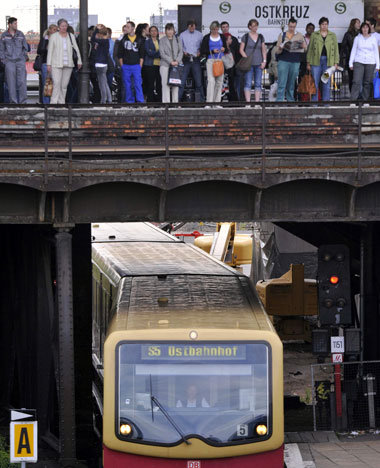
(15, 415)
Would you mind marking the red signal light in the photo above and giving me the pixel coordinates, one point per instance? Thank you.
(334, 279)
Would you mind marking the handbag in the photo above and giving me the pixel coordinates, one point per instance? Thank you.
(217, 67)
(228, 61)
(37, 66)
(307, 85)
(48, 88)
(75, 53)
(376, 86)
(174, 76)
(245, 63)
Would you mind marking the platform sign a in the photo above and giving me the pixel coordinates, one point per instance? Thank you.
(23, 441)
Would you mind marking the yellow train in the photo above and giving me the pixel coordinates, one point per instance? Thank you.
(193, 368)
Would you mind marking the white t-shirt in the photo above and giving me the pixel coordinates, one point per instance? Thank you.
(65, 53)
(365, 50)
(377, 35)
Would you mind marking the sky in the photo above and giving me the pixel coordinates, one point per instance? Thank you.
(112, 13)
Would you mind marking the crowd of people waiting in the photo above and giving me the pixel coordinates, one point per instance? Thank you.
(149, 68)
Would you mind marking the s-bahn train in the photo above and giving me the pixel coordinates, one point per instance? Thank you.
(191, 366)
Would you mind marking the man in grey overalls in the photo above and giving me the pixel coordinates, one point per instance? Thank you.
(14, 54)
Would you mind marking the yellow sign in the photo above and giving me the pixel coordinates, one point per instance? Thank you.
(23, 438)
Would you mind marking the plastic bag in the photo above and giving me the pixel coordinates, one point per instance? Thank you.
(174, 76)
(376, 86)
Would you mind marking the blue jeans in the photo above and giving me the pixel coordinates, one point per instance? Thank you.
(134, 72)
(287, 75)
(45, 99)
(195, 68)
(255, 72)
(317, 71)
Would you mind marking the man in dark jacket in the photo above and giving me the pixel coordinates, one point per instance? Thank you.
(233, 77)
(131, 58)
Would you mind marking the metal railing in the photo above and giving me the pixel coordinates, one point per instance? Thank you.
(358, 407)
(261, 133)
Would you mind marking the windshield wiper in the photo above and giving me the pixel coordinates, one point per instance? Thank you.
(151, 398)
(169, 418)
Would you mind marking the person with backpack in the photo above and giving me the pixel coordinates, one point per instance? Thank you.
(253, 45)
(290, 46)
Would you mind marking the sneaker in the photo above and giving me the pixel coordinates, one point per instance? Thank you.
(352, 105)
(218, 107)
(366, 104)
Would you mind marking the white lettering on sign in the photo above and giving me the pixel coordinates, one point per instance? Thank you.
(337, 344)
(337, 357)
(275, 14)
(193, 464)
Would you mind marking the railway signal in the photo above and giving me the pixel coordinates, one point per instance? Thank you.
(334, 285)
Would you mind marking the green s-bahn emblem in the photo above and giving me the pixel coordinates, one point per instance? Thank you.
(340, 8)
(225, 7)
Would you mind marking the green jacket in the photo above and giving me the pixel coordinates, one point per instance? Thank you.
(315, 49)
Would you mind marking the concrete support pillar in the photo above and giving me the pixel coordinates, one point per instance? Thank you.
(84, 73)
(66, 397)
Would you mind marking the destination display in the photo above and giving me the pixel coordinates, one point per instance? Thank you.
(173, 352)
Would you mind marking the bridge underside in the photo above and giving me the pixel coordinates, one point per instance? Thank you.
(298, 200)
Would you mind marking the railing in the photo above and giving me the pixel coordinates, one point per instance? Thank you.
(356, 406)
(269, 132)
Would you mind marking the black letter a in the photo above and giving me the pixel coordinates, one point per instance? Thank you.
(22, 444)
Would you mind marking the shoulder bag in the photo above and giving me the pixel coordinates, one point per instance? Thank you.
(75, 53)
(245, 63)
(37, 66)
(228, 60)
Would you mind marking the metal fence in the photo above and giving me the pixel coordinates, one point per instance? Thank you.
(346, 396)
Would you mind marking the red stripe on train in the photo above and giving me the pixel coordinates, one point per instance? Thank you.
(272, 459)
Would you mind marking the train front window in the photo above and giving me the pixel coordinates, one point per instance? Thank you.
(219, 392)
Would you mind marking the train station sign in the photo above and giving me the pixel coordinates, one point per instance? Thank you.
(23, 437)
(273, 15)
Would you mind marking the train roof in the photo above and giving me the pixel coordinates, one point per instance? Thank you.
(183, 301)
(136, 249)
(166, 283)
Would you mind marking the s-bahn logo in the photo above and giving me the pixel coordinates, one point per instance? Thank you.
(225, 7)
(340, 8)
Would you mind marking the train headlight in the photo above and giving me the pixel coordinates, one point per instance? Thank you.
(261, 429)
(125, 429)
